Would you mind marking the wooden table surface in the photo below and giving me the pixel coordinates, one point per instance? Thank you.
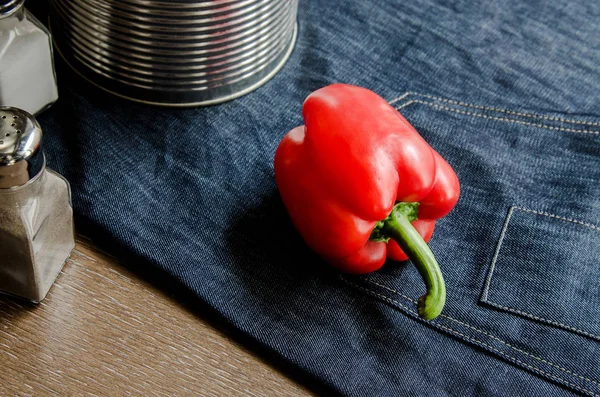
(103, 332)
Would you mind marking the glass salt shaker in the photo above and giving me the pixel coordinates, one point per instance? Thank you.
(36, 217)
(27, 78)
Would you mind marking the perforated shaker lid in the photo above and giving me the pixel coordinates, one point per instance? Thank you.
(9, 7)
(21, 156)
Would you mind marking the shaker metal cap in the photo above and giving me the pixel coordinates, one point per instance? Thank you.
(9, 7)
(21, 156)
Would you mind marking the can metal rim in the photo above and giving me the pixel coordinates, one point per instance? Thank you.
(214, 101)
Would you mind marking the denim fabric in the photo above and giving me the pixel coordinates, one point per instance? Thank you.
(506, 91)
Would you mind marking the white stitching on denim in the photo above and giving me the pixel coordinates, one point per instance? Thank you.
(391, 290)
(548, 127)
(371, 292)
(491, 272)
(476, 341)
(522, 114)
(406, 104)
(533, 316)
(511, 358)
(488, 279)
(490, 335)
(562, 218)
(401, 97)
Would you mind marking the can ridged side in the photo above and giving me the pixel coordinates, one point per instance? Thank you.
(181, 53)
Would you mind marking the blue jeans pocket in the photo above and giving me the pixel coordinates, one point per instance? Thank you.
(547, 268)
(520, 252)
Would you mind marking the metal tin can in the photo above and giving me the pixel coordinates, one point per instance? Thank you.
(175, 53)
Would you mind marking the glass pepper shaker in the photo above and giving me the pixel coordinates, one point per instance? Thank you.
(36, 217)
(27, 78)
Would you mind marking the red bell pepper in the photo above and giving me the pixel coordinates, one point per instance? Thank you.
(355, 178)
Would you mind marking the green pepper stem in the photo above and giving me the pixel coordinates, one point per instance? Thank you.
(398, 227)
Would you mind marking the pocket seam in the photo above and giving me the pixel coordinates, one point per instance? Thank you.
(505, 119)
(407, 99)
(490, 275)
(477, 341)
(491, 108)
(484, 333)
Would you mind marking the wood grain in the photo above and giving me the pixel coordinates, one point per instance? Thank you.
(103, 332)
